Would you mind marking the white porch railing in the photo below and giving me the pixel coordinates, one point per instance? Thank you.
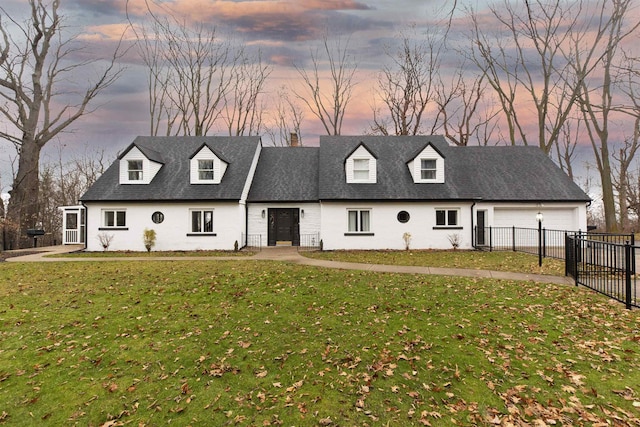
(71, 237)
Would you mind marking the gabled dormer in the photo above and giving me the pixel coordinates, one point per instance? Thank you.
(427, 166)
(139, 165)
(360, 166)
(207, 167)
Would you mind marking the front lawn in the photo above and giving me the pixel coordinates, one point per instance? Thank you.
(263, 343)
(499, 261)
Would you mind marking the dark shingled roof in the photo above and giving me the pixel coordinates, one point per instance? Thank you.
(307, 174)
(286, 174)
(173, 180)
(505, 173)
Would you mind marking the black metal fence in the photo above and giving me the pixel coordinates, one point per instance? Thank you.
(253, 242)
(517, 239)
(605, 264)
(309, 241)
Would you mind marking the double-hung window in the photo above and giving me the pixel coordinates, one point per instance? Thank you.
(114, 218)
(361, 169)
(427, 169)
(205, 170)
(359, 221)
(202, 221)
(447, 217)
(134, 168)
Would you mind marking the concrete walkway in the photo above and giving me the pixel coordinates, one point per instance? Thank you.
(291, 255)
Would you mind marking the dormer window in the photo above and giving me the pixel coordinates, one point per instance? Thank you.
(135, 170)
(207, 167)
(139, 165)
(428, 168)
(360, 166)
(205, 170)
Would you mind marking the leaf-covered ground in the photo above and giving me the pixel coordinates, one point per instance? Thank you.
(498, 261)
(263, 343)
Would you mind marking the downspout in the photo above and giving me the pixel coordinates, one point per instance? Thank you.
(246, 224)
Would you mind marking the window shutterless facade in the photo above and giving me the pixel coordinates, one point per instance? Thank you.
(205, 170)
(134, 168)
(114, 218)
(447, 217)
(202, 221)
(359, 221)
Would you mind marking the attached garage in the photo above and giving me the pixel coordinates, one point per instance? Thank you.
(565, 219)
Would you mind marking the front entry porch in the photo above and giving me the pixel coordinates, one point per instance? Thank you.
(284, 227)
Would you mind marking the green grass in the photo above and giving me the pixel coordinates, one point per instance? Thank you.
(264, 343)
(497, 261)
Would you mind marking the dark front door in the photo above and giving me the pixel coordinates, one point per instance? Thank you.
(284, 226)
(481, 217)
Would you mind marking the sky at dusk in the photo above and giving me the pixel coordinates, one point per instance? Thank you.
(283, 30)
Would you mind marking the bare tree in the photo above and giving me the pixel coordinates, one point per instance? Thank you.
(408, 85)
(190, 70)
(526, 60)
(597, 92)
(629, 194)
(243, 107)
(62, 182)
(464, 112)
(287, 120)
(198, 80)
(35, 65)
(329, 104)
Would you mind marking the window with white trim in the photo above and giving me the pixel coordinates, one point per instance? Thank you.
(134, 168)
(202, 221)
(361, 169)
(428, 169)
(359, 220)
(205, 169)
(114, 218)
(447, 217)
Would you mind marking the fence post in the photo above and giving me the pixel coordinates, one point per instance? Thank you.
(567, 254)
(633, 253)
(627, 256)
(490, 239)
(544, 242)
(577, 251)
(513, 238)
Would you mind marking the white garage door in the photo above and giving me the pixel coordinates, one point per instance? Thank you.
(554, 219)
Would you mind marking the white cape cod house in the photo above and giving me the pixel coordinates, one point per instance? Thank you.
(350, 192)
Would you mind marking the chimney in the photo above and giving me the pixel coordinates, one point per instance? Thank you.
(294, 139)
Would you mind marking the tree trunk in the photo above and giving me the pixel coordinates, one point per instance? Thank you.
(23, 204)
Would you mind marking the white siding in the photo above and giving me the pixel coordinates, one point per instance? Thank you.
(429, 153)
(219, 167)
(388, 231)
(172, 233)
(149, 168)
(361, 153)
